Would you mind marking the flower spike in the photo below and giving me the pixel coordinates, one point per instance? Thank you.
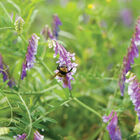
(30, 55)
(112, 127)
(132, 53)
(65, 58)
(56, 24)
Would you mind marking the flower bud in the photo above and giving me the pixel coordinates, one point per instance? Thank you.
(19, 25)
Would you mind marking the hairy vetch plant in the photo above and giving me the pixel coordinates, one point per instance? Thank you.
(132, 53)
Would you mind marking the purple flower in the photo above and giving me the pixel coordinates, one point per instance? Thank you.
(30, 55)
(134, 92)
(21, 137)
(4, 71)
(112, 127)
(38, 136)
(126, 16)
(56, 24)
(46, 32)
(65, 58)
(129, 58)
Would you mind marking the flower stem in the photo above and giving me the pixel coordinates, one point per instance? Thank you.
(45, 66)
(29, 115)
(53, 109)
(6, 12)
(87, 107)
(51, 73)
(31, 92)
(4, 28)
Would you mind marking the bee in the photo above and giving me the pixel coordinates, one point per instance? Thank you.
(62, 72)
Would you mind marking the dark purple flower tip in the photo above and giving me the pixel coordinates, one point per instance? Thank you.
(21, 137)
(112, 127)
(30, 55)
(38, 136)
(56, 24)
(4, 71)
(24, 73)
(132, 53)
(11, 83)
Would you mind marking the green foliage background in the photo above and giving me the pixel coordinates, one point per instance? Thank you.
(99, 38)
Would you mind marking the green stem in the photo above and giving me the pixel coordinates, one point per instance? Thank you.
(11, 111)
(51, 73)
(29, 115)
(10, 108)
(6, 12)
(30, 92)
(65, 102)
(87, 107)
(45, 66)
(22, 37)
(4, 28)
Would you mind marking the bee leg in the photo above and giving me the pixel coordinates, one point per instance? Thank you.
(58, 67)
(54, 76)
(70, 70)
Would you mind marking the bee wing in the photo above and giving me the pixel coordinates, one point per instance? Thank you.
(54, 75)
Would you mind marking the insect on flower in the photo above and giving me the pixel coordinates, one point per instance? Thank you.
(67, 68)
(62, 72)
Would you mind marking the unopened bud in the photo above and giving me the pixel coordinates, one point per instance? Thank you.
(19, 25)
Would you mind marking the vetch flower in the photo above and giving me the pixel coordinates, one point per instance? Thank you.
(38, 136)
(21, 137)
(19, 25)
(65, 58)
(132, 53)
(30, 55)
(4, 71)
(46, 32)
(56, 24)
(134, 92)
(112, 127)
(126, 16)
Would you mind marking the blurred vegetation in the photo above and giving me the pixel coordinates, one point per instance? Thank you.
(97, 33)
